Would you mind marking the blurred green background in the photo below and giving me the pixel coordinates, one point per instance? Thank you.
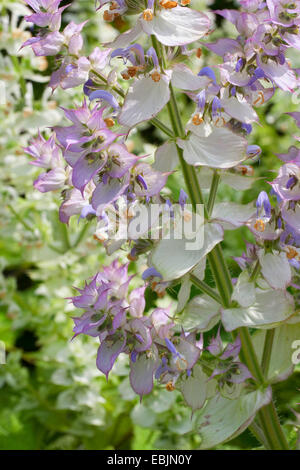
(51, 394)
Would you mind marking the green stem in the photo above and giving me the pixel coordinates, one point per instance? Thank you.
(249, 357)
(205, 288)
(213, 192)
(255, 272)
(272, 428)
(65, 236)
(19, 218)
(80, 236)
(267, 352)
(256, 429)
(221, 274)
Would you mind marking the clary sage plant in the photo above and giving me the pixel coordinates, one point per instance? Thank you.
(129, 81)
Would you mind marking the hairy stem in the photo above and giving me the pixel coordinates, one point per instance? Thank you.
(272, 429)
(206, 288)
(267, 352)
(213, 192)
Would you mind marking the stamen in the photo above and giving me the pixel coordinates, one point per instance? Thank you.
(155, 76)
(168, 4)
(220, 122)
(130, 257)
(109, 122)
(181, 363)
(260, 99)
(114, 6)
(245, 170)
(170, 387)
(108, 16)
(260, 225)
(197, 119)
(125, 75)
(199, 52)
(291, 253)
(148, 15)
(132, 71)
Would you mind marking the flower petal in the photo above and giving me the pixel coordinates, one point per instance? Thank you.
(214, 147)
(172, 258)
(141, 374)
(194, 388)
(276, 269)
(177, 26)
(108, 352)
(185, 79)
(232, 215)
(270, 308)
(144, 100)
(104, 194)
(166, 157)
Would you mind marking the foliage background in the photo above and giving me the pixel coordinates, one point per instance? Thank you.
(51, 394)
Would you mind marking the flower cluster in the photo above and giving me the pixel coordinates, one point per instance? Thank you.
(90, 165)
(127, 82)
(116, 316)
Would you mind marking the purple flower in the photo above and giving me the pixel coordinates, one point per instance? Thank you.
(70, 75)
(52, 180)
(109, 350)
(109, 190)
(228, 370)
(46, 153)
(263, 202)
(137, 302)
(75, 202)
(208, 72)
(142, 372)
(287, 183)
(105, 96)
(46, 13)
(146, 181)
(216, 345)
(183, 197)
(89, 323)
(88, 130)
(46, 45)
(119, 160)
(151, 272)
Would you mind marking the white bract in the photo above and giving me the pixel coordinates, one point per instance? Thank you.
(216, 147)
